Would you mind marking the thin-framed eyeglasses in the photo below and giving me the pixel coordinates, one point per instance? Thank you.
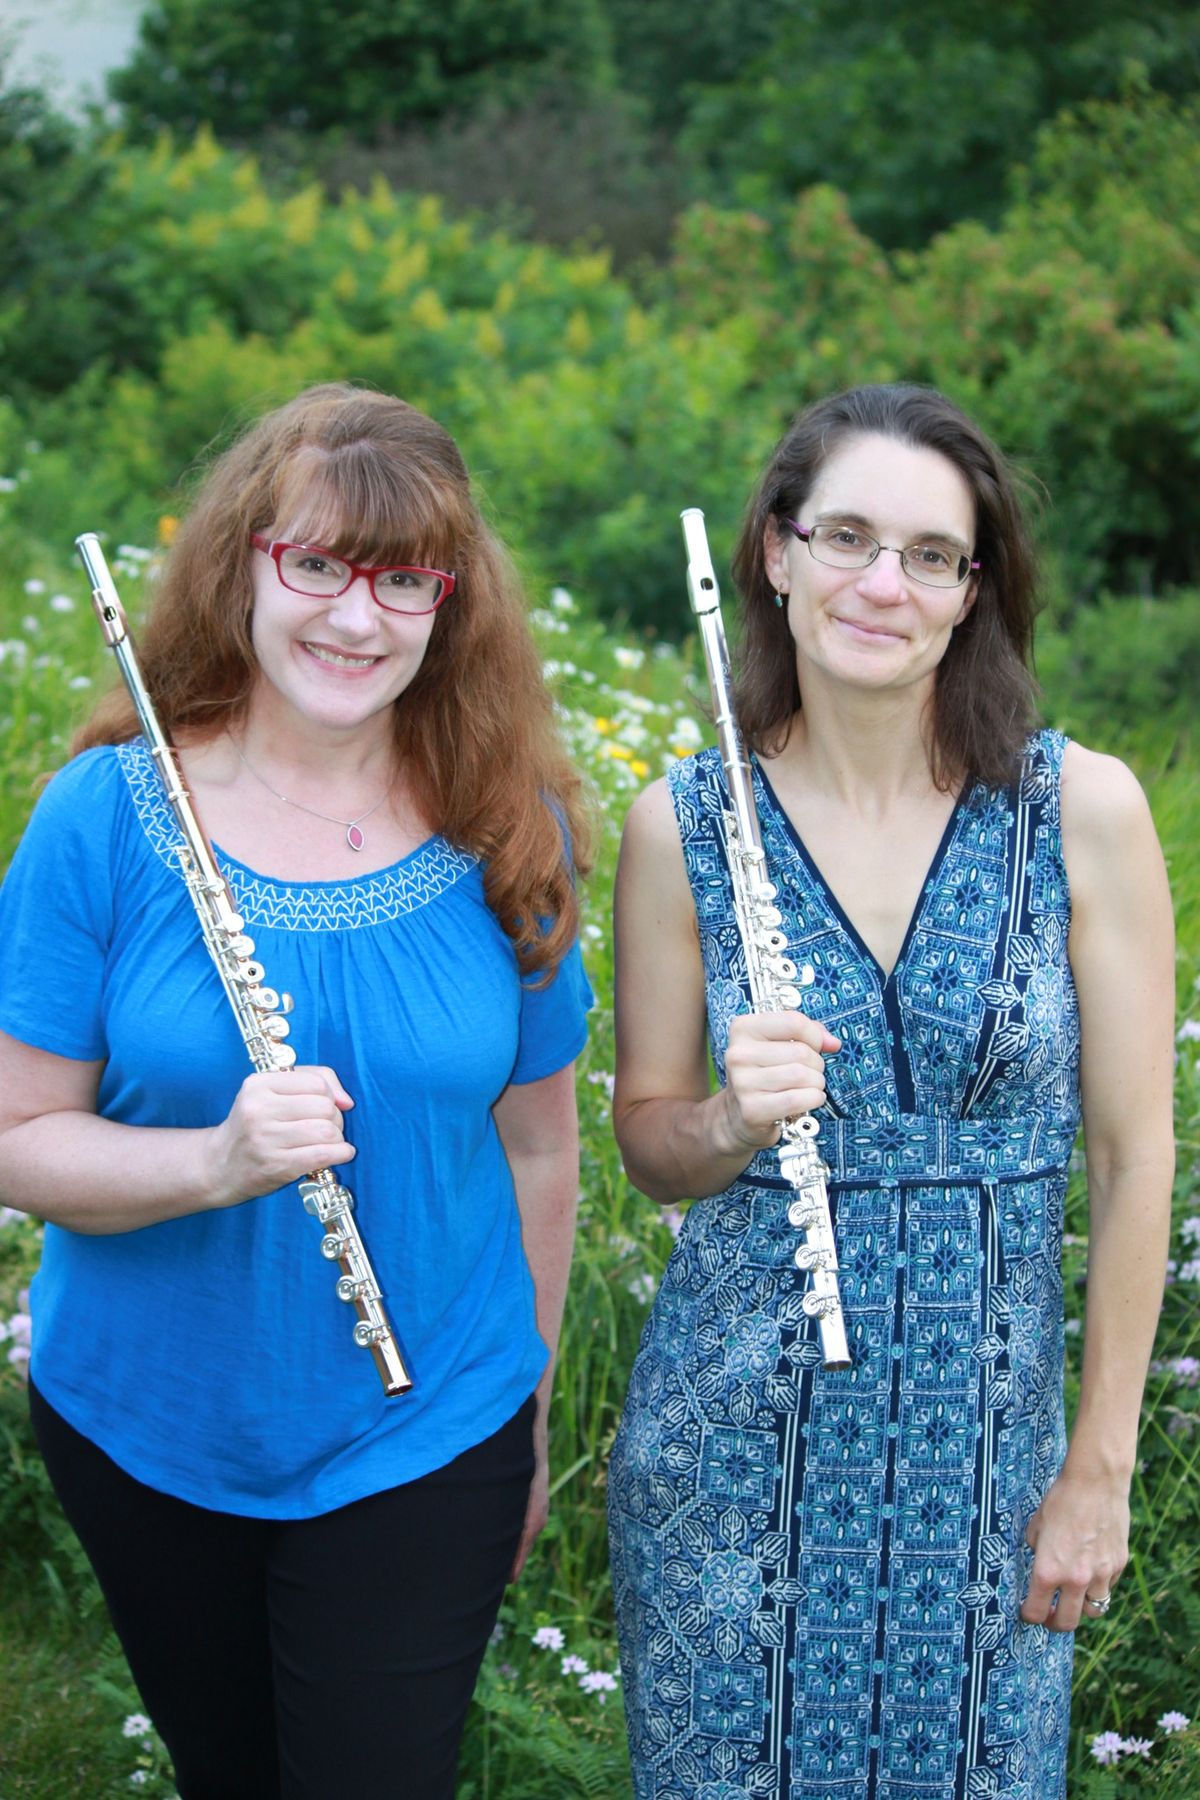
(397, 587)
(847, 547)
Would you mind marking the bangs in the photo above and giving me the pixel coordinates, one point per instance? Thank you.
(357, 505)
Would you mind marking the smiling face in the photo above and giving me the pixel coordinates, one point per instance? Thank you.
(331, 665)
(875, 627)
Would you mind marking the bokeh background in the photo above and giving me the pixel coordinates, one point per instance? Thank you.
(612, 245)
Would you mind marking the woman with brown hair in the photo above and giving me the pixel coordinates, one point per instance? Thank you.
(862, 1583)
(304, 1573)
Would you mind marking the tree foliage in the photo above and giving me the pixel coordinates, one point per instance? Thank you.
(246, 67)
(918, 113)
(174, 290)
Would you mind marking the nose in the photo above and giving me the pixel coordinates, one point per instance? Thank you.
(354, 614)
(884, 580)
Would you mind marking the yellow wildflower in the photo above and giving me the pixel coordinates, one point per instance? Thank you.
(168, 525)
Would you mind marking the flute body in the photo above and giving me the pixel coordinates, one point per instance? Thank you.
(259, 1009)
(775, 981)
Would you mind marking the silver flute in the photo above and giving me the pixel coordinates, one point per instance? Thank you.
(775, 981)
(258, 1009)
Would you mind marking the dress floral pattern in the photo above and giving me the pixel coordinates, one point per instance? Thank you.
(817, 1573)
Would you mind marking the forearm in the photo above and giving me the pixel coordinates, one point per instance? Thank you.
(1127, 1253)
(681, 1149)
(91, 1175)
(548, 1194)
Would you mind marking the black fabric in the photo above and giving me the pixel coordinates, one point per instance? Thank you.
(306, 1659)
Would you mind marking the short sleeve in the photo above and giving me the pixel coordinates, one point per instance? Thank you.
(56, 913)
(553, 1026)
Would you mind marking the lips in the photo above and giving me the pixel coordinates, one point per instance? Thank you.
(339, 659)
(878, 632)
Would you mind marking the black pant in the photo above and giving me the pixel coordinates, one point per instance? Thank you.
(305, 1659)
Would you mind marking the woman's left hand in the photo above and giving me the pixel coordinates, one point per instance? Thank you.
(1080, 1539)
(537, 1511)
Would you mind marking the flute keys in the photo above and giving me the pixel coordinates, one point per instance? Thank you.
(810, 1256)
(820, 1306)
(803, 1215)
(325, 1200)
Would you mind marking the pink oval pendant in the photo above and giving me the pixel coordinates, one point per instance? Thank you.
(354, 837)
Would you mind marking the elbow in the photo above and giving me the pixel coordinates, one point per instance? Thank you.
(643, 1170)
(662, 1193)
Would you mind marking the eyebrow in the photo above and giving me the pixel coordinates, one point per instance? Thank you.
(839, 515)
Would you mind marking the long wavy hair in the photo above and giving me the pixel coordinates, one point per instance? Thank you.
(371, 478)
(984, 694)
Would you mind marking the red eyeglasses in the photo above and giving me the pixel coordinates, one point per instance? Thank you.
(398, 587)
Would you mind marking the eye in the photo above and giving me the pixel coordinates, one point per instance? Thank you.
(844, 537)
(934, 557)
(310, 563)
(405, 579)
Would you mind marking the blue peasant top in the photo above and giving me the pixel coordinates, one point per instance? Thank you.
(209, 1355)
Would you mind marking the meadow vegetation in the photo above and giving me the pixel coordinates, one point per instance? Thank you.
(158, 292)
(547, 1718)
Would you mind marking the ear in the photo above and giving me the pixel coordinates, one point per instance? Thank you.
(775, 557)
(969, 599)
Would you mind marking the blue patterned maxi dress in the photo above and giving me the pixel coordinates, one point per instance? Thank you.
(817, 1574)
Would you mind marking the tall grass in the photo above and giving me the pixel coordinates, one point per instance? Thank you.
(542, 1725)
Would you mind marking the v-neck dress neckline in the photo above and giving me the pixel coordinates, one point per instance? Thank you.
(885, 977)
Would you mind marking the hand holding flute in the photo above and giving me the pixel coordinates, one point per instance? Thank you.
(773, 978)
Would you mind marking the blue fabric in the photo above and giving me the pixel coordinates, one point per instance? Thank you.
(818, 1573)
(209, 1356)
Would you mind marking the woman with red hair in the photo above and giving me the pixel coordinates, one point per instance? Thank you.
(303, 1572)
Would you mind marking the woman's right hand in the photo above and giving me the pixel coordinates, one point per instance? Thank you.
(281, 1127)
(774, 1069)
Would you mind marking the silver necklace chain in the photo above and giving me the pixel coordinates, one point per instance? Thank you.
(354, 836)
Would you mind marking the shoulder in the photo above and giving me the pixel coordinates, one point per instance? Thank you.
(91, 770)
(84, 789)
(1110, 847)
(1101, 799)
(651, 818)
(651, 870)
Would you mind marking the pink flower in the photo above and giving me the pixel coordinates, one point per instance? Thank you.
(548, 1637)
(1173, 1721)
(598, 1682)
(574, 1665)
(1107, 1746)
